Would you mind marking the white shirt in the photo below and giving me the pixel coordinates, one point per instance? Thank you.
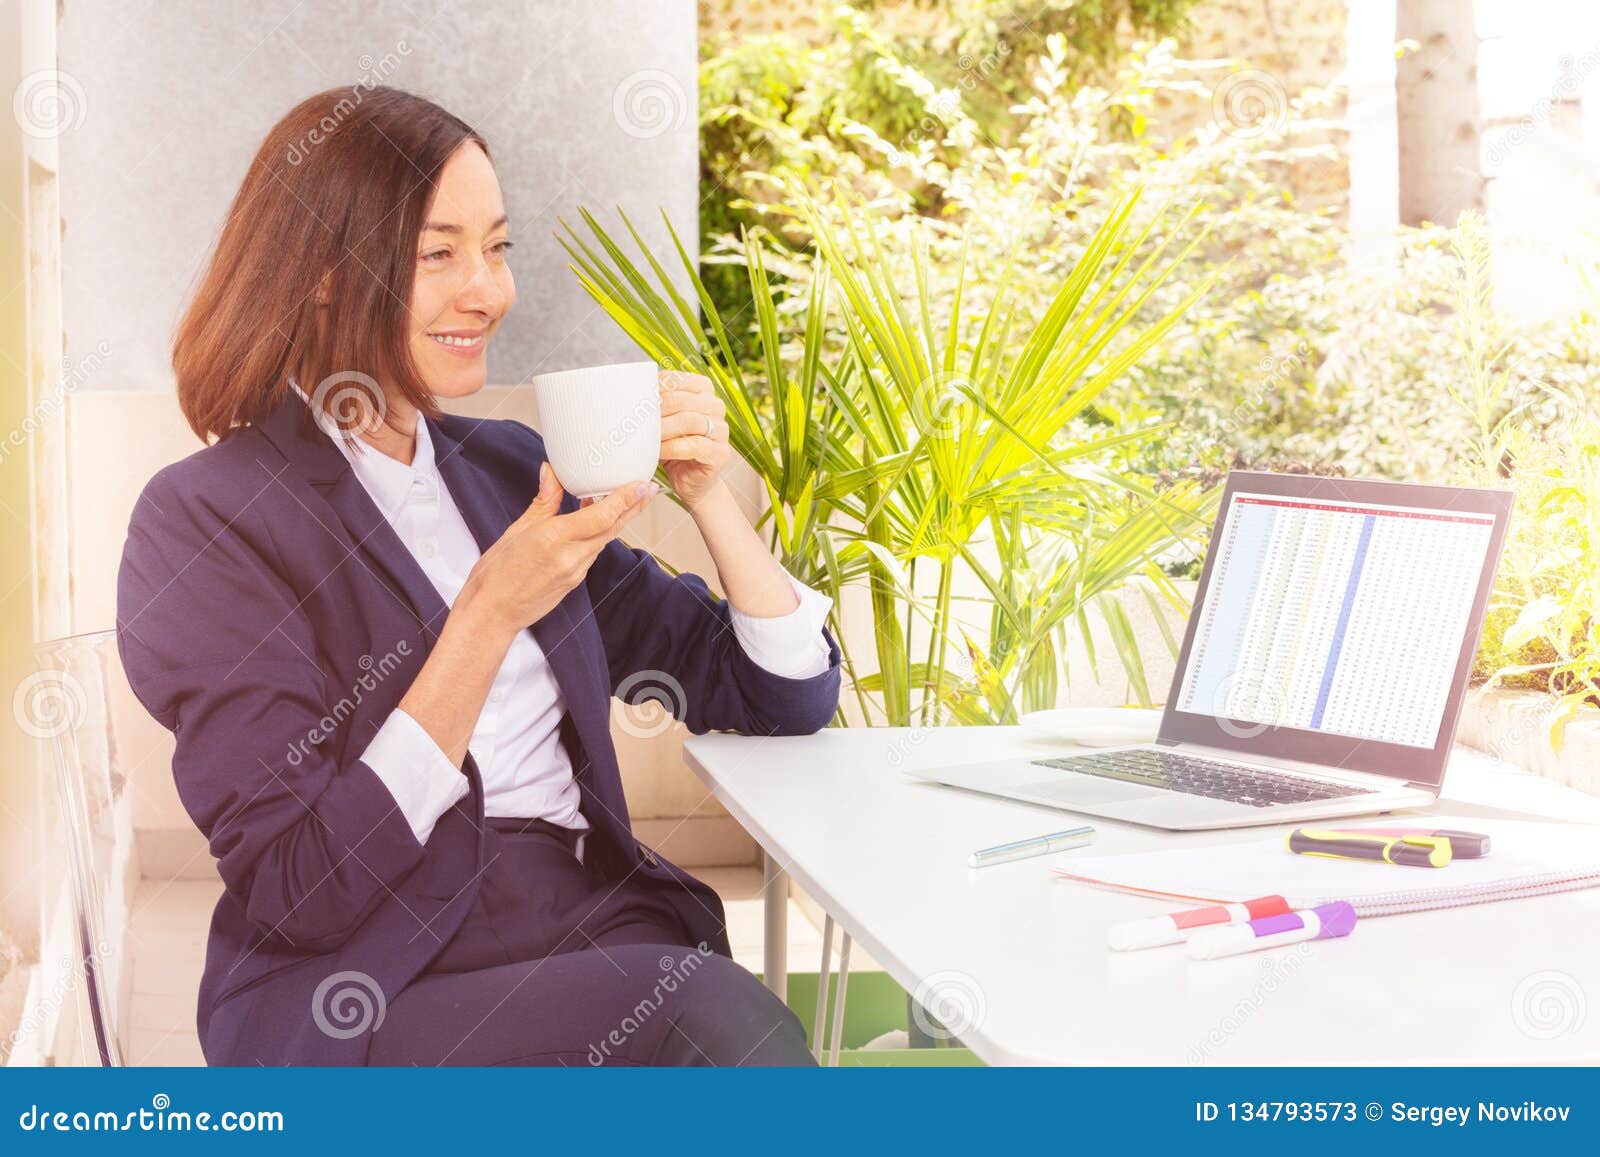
(516, 744)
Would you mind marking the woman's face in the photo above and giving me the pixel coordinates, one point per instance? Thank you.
(463, 285)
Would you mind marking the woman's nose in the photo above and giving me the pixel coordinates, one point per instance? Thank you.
(482, 293)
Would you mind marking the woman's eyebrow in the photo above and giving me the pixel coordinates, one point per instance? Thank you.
(449, 227)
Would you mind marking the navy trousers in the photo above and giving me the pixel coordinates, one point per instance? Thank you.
(555, 965)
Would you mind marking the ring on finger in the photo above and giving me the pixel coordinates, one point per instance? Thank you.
(709, 424)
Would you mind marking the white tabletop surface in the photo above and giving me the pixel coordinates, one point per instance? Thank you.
(1021, 952)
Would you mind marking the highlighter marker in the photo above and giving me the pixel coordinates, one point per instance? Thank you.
(1320, 923)
(1175, 927)
(1413, 851)
(1463, 845)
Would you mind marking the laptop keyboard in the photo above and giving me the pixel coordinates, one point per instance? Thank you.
(1191, 775)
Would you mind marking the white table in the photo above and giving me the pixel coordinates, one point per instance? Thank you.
(1022, 951)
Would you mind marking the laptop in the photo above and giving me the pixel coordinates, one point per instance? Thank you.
(1323, 668)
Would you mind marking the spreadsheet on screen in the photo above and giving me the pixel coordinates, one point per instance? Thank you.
(1333, 616)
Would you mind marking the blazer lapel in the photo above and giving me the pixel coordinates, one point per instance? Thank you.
(378, 547)
(392, 564)
(487, 513)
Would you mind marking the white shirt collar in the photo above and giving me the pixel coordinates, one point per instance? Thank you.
(390, 482)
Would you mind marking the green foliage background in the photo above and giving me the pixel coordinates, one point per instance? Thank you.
(995, 145)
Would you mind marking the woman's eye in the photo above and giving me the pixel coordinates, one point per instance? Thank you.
(500, 248)
(434, 256)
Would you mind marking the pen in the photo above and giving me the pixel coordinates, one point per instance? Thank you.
(1032, 846)
(1413, 851)
(1320, 923)
(1175, 927)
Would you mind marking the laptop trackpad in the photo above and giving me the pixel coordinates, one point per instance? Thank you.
(1085, 789)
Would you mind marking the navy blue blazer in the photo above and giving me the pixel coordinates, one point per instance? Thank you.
(271, 618)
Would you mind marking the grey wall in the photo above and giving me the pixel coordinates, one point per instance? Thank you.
(584, 102)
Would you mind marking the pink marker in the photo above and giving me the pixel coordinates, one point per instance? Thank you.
(1175, 928)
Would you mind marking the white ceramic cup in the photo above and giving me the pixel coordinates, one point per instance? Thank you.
(601, 425)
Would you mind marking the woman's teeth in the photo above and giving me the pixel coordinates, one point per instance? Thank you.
(457, 342)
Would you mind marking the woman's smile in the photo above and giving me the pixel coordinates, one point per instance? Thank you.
(463, 343)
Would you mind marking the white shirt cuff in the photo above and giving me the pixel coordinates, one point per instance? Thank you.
(788, 645)
(417, 773)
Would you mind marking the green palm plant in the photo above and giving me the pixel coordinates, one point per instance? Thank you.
(912, 431)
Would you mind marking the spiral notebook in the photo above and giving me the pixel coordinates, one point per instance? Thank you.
(1525, 859)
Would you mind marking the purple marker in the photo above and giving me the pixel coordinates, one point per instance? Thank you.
(1320, 923)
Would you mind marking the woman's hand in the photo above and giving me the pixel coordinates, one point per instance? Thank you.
(544, 554)
(694, 435)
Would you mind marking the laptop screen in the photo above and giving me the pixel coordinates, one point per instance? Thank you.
(1337, 617)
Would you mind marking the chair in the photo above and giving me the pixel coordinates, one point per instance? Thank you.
(73, 700)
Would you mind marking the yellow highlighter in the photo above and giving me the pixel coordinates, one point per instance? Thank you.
(1412, 851)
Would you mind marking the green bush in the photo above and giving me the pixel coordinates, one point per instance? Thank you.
(1397, 365)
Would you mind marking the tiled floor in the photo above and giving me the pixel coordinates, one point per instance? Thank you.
(168, 947)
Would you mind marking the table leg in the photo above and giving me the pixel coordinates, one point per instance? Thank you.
(838, 1004)
(775, 943)
(823, 970)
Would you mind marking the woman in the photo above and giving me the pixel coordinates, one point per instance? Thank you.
(386, 642)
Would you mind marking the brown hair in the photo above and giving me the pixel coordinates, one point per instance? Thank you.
(311, 276)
